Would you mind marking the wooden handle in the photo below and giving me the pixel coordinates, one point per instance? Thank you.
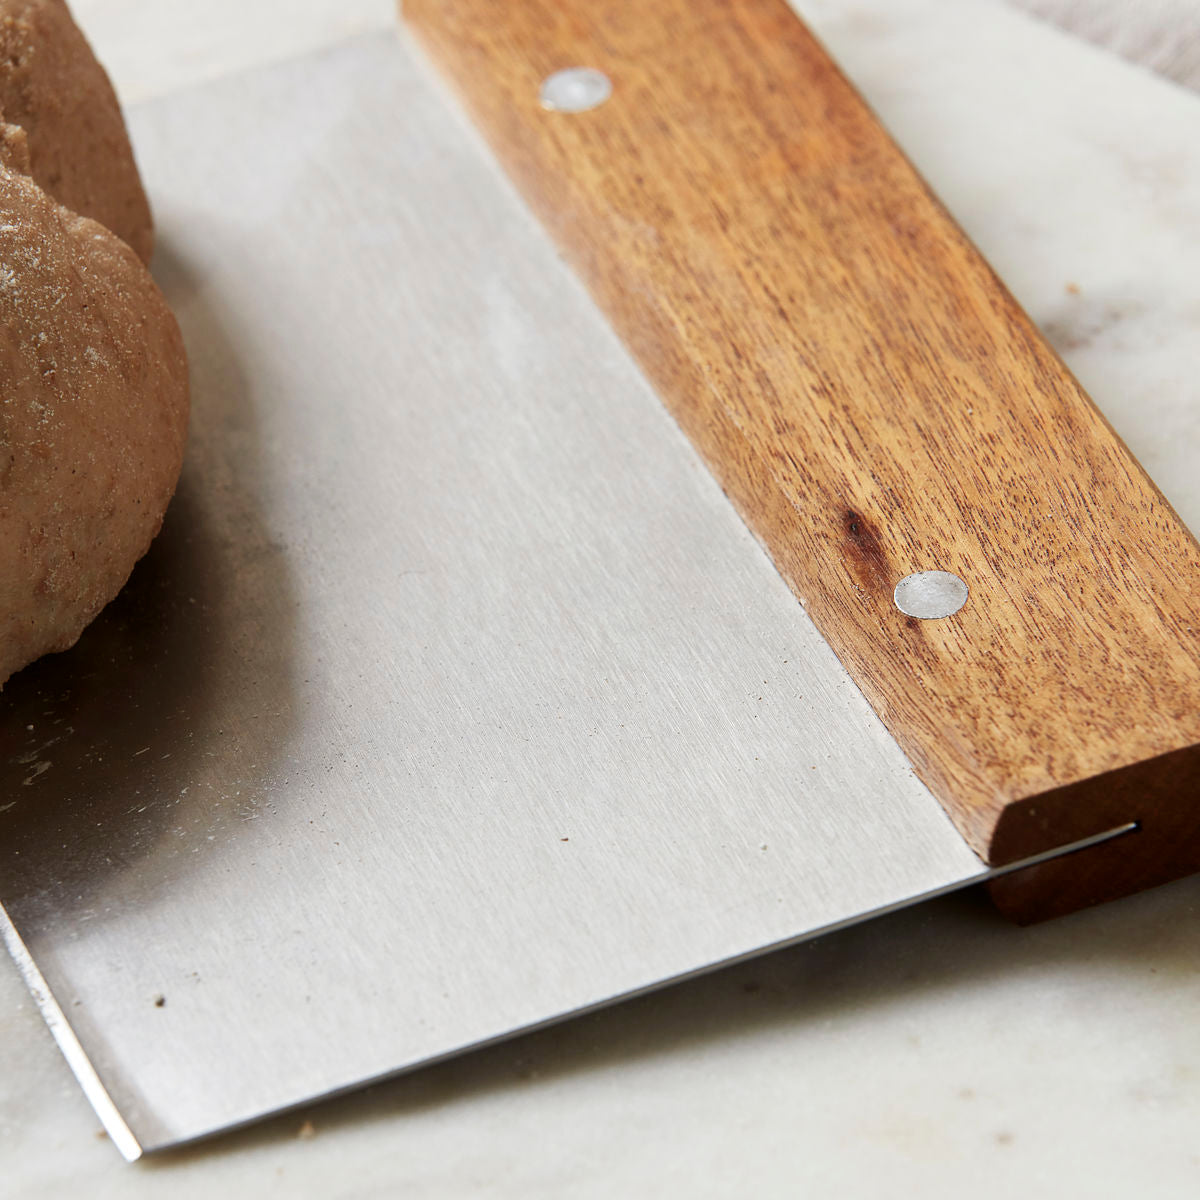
(875, 404)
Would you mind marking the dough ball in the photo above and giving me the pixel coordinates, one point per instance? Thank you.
(93, 418)
(52, 87)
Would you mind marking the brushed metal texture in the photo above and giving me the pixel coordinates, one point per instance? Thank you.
(454, 698)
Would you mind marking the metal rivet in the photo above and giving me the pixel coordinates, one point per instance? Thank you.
(575, 89)
(930, 595)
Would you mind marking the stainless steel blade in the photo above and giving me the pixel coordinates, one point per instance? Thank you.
(454, 697)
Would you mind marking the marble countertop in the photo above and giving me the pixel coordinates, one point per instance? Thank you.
(1161, 34)
(935, 1052)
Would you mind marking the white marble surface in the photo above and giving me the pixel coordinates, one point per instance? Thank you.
(1163, 35)
(937, 1052)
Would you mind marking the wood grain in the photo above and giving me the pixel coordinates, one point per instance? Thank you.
(875, 403)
